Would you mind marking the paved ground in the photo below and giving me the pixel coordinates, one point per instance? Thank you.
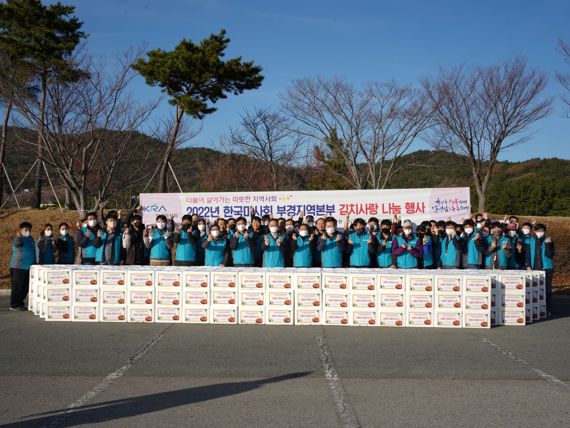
(159, 375)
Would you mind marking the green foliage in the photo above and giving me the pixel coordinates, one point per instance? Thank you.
(195, 76)
(330, 168)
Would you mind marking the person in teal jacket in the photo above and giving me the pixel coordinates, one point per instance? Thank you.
(517, 259)
(527, 233)
(257, 231)
(45, 250)
(242, 244)
(159, 241)
(216, 248)
(382, 244)
(318, 231)
(474, 246)
(273, 247)
(302, 245)
(65, 246)
(332, 245)
(23, 256)
(540, 256)
(358, 241)
(427, 260)
(186, 238)
(85, 239)
(406, 248)
(499, 250)
(109, 243)
(451, 248)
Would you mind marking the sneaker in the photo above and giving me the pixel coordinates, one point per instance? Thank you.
(12, 309)
(19, 308)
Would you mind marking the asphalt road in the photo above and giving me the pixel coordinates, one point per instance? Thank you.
(159, 375)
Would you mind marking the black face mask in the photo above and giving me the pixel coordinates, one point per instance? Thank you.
(232, 227)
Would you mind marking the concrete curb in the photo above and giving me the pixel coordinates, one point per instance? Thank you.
(4, 291)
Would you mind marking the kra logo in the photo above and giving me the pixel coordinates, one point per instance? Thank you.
(154, 208)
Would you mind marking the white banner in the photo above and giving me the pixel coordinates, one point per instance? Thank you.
(414, 204)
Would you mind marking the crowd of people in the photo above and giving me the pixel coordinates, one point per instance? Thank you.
(476, 243)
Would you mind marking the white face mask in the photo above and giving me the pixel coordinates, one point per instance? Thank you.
(215, 233)
(407, 231)
(468, 230)
(201, 227)
(92, 223)
(47, 233)
(539, 235)
(303, 233)
(480, 225)
(63, 232)
(241, 227)
(512, 233)
(290, 228)
(449, 232)
(273, 229)
(526, 231)
(26, 233)
(330, 230)
(161, 225)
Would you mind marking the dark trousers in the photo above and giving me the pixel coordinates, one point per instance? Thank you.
(184, 263)
(90, 262)
(548, 284)
(20, 286)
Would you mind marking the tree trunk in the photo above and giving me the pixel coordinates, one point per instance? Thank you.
(3, 143)
(162, 173)
(67, 201)
(40, 143)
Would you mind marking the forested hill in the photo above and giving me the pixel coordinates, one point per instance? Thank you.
(532, 187)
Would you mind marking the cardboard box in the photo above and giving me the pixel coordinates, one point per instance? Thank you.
(477, 284)
(363, 317)
(542, 310)
(336, 316)
(419, 318)
(141, 297)
(86, 295)
(514, 301)
(448, 318)
(137, 313)
(391, 281)
(419, 300)
(474, 319)
(197, 297)
(420, 283)
(448, 284)
(512, 282)
(252, 316)
(57, 276)
(476, 302)
(224, 297)
(196, 279)
(281, 297)
(452, 301)
(363, 299)
(283, 315)
(223, 314)
(57, 311)
(252, 280)
(224, 279)
(363, 281)
(535, 313)
(168, 278)
(252, 297)
(58, 294)
(514, 316)
(113, 313)
(308, 299)
(279, 279)
(496, 316)
(168, 314)
(307, 279)
(112, 296)
(391, 299)
(141, 278)
(85, 278)
(392, 318)
(307, 316)
(335, 298)
(86, 312)
(169, 296)
(196, 315)
(335, 279)
(113, 278)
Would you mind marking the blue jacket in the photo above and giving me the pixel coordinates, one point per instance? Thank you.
(160, 246)
(451, 252)
(23, 253)
(428, 252)
(242, 248)
(358, 250)
(384, 250)
(216, 251)
(540, 255)
(474, 250)
(186, 245)
(302, 249)
(332, 250)
(87, 245)
(115, 245)
(273, 254)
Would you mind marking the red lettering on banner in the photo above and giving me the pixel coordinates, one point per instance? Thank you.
(391, 208)
(415, 207)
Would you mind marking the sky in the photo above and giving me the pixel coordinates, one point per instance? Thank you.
(360, 41)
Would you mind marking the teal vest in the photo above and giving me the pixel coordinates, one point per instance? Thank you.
(185, 249)
(547, 262)
(449, 255)
(331, 255)
(272, 256)
(428, 252)
(302, 256)
(25, 256)
(360, 257)
(472, 251)
(90, 251)
(406, 260)
(158, 248)
(384, 257)
(215, 252)
(116, 249)
(243, 255)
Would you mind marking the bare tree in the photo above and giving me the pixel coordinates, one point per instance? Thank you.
(92, 123)
(564, 78)
(481, 111)
(267, 137)
(369, 129)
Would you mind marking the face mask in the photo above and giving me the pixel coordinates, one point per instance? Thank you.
(539, 235)
(273, 229)
(468, 230)
(47, 233)
(512, 233)
(303, 233)
(526, 231)
(215, 233)
(385, 229)
(407, 231)
(201, 227)
(497, 232)
(480, 225)
(372, 227)
(92, 223)
(485, 233)
(241, 227)
(290, 228)
(330, 230)
(449, 232)
(232, 227)
(63, 232)
(161, 225)
(26, 233)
